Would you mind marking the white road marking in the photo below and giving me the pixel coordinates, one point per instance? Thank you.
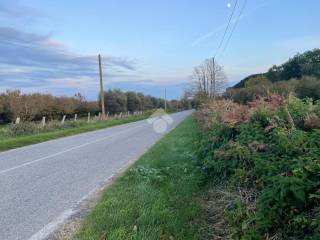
(51, 227)
(65, 151)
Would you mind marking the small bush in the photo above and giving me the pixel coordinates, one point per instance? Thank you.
(24, 128)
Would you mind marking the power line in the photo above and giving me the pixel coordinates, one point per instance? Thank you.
(227, 28)
(234, 27)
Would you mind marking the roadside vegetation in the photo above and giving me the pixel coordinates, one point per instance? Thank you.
(261, 162)
(157, 198)
(33, 107)
(247, 169)
(32, 118)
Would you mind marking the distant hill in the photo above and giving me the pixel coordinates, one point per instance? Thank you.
(306, 64)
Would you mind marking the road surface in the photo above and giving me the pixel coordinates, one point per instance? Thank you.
(41, 185)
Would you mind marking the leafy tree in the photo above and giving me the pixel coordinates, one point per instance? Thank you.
(133, 101)
(261, 81)
(305, 64)
(115, 101)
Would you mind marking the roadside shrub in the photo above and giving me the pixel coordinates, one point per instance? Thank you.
(29, 128)
(262, 116)
(298, 109)
(23, 128)
(72, 124)
(273, 153)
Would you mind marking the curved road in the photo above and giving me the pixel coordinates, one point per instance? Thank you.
(41, 185)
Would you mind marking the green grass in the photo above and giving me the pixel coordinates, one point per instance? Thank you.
(156, 198)
(7, 143)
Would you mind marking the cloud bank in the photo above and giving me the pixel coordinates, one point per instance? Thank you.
(31, 60)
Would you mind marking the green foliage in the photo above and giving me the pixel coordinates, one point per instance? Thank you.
(306, 64)
(29, 128)
(151, 175)
(275, 157)
(299, 75)
(117, 101)
(308, 87)
(262, 116)
(260, 81)
(299, 109)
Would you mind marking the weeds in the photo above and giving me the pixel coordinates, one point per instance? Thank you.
(269, 151)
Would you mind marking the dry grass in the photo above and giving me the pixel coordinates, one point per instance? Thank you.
(215, 200)
(232, 113)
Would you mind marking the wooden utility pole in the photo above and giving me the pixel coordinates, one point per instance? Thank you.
(165, 99)
(101, 89)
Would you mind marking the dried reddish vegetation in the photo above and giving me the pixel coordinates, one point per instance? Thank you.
(229, 112)
(269, 151)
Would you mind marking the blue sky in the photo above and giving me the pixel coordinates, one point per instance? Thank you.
(51, 46)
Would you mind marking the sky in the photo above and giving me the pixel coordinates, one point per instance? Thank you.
(51, 46)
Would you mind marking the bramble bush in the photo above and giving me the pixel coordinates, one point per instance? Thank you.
(270, 147)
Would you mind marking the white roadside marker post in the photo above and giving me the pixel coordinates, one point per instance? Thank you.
(63, 119)
(75, 117)
(43, 121)
(89, 116)
(17, 120)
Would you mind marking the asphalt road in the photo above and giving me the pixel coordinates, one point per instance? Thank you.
(42, 185)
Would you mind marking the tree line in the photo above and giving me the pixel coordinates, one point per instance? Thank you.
(117, 101)
(34, 106)
(305, 64)
(300, 75)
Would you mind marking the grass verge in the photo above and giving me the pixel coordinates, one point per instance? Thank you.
(7, 143)
(157, 198)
